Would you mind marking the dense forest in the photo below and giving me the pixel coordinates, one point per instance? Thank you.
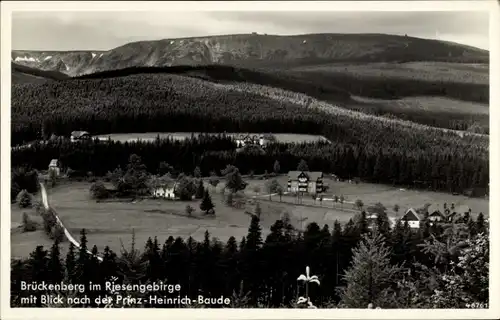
(110, 101)
(337, 87)
(343, 267)
(325, 85)
(409, 162)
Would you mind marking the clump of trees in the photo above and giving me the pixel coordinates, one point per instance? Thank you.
(24, 199)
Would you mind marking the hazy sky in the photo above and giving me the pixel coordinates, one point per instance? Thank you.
(107, 30)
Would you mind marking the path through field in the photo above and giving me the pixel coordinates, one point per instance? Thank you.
(68, 235)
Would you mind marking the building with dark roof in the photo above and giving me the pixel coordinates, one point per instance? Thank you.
(310, 182)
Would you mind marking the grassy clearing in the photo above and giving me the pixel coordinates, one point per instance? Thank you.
(431, 104)
(108, 223)
(427, 71)
(371, 193)
(149, 136)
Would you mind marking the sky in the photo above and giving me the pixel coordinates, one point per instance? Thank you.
(60, 30)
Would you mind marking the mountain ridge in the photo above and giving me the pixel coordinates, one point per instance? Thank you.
(253, 50)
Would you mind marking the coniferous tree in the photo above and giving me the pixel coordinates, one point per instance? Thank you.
(480, 224)
(55, 267)
(251, 260)
(200, 190)
(302, 166)
(37, 268)
(371, 276)
(131, 267)
(108, 267)
(206, 203)
(94, 276)
(154, 269)
(70, 264)
(276, 167)
(82, 263)
(230, 265)
(197, 172)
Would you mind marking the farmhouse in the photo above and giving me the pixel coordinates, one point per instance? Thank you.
(164, 190)
(54, 166)
(305, 182)
(79, 135)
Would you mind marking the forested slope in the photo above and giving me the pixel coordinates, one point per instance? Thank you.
(337, 87)
(169, 103)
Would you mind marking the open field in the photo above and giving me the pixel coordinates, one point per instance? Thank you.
(427, 71)
(371, 193)
(280, 137)
(108, 223)
(431, 104)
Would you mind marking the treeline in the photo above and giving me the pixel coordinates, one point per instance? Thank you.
(416, 272)
(446, 168)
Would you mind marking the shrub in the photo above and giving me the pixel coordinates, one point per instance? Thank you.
(57, 233)
(28, 224)
(98, 191)
(189, 210)
(49, 220)
(24, 199)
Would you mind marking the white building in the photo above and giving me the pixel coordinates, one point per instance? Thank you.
(413, 218)
(54, 166)
(164, 190)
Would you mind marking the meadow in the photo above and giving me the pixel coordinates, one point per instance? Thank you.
(371, 193)
(111, 223)
(421, 70)
(150, 136)
(430, 104)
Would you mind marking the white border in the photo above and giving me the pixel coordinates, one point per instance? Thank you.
(43, 313)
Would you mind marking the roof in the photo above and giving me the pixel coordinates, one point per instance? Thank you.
(311, 175)
(436, 213)
(414, 212)
(54, 163)
(78, 134)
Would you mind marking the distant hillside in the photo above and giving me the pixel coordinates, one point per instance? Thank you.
(23, 74)
(254, 50)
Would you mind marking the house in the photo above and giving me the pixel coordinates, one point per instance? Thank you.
(413, 217)
(371, 219)
(164, 190)
(54, 166)
(305, 182)
(246, 140)
(435, 213)
(79, 135)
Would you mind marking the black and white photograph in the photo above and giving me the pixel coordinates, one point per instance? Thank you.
(194, 156)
